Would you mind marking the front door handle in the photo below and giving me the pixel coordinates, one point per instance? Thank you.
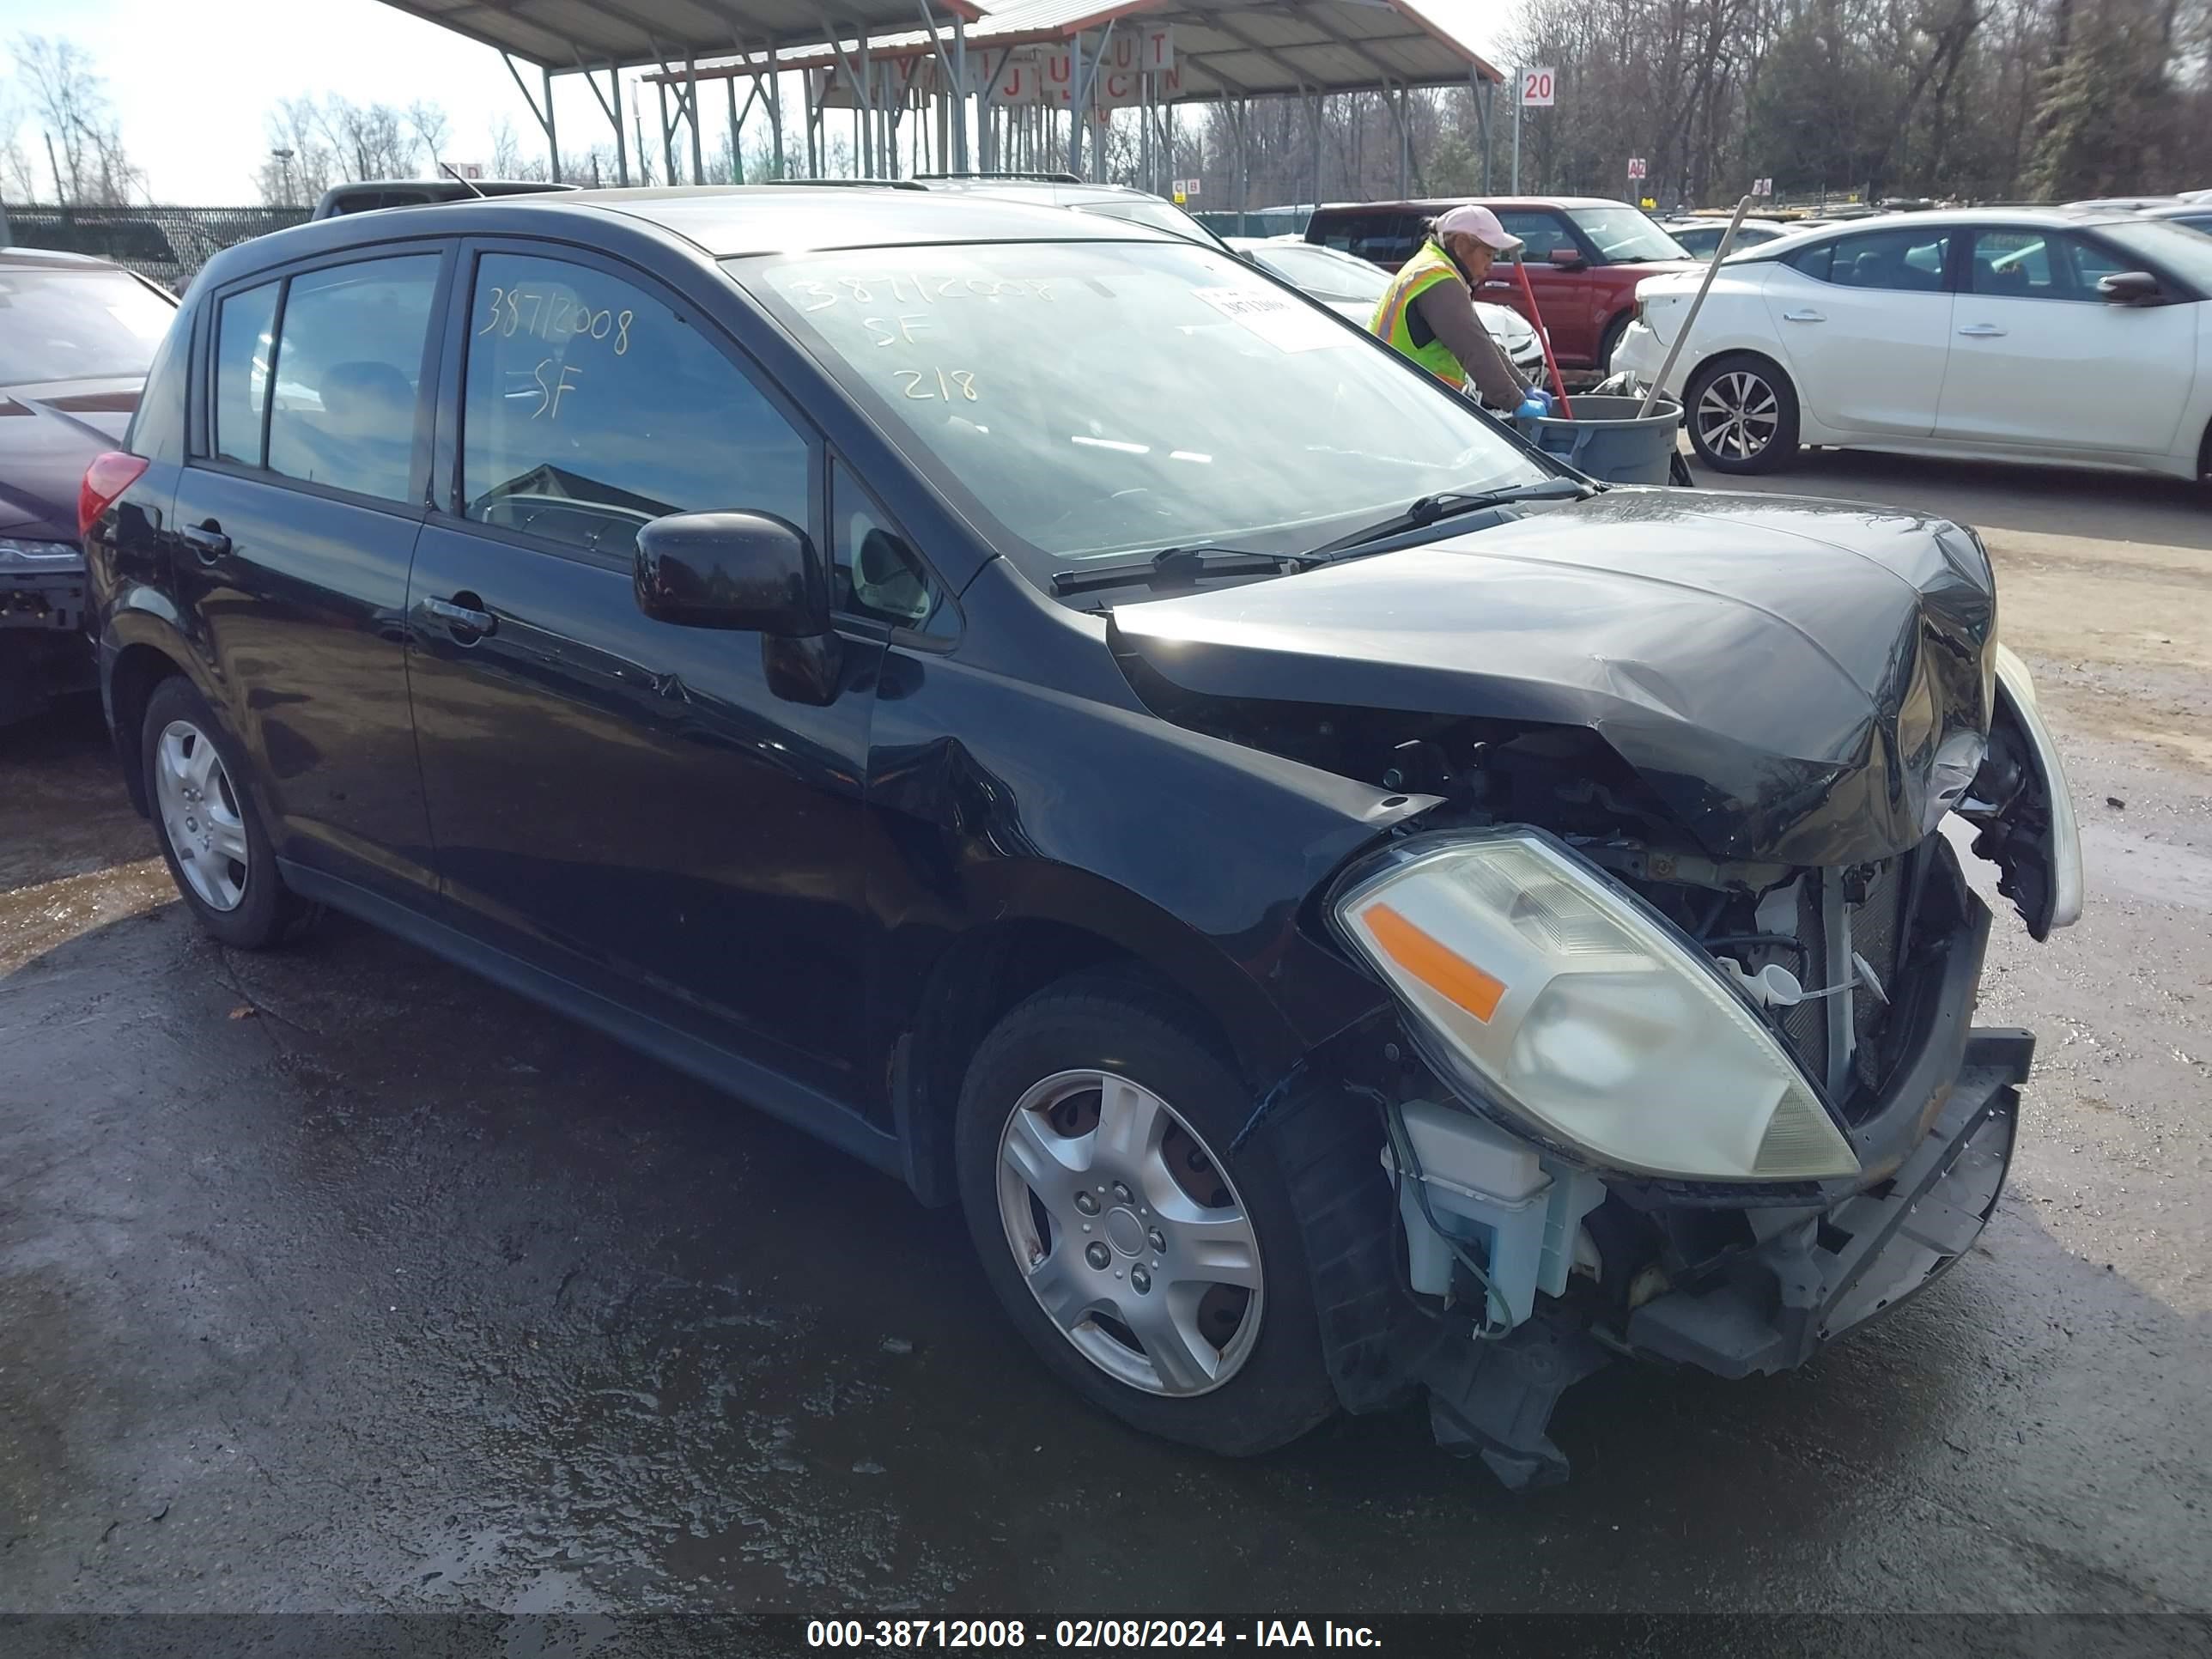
(1982, 332)
(1803, 317)
(461, 617)
(205, 538)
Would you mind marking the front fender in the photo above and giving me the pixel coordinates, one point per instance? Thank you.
(1196, 856)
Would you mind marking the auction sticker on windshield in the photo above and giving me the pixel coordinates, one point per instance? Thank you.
(1287, 325)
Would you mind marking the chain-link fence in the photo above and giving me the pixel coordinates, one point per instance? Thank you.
(169, 244)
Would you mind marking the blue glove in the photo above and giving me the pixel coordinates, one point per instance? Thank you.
(1536, 407)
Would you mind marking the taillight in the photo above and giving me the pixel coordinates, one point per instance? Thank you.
(108, 476)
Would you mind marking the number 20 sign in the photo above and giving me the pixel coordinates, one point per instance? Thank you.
(1536, 87)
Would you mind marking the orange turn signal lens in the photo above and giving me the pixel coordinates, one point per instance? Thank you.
(1433, 963)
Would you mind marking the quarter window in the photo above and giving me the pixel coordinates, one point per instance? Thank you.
(1385, 238)
(348, 365)
(242, 348)
(878, 574)
(593, 408)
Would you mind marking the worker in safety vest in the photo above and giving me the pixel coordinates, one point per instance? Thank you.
(1428, 311)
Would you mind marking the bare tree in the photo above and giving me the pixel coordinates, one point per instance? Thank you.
(430, 124)
(76, 122)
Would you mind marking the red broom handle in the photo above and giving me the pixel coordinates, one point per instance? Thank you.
(1544, 339)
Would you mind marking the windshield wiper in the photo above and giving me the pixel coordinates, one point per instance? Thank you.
(1452, 502)
(1178, 567)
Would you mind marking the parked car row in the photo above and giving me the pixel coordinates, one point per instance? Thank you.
(1029, 700)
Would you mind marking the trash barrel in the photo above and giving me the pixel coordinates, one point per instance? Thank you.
(1609, 441)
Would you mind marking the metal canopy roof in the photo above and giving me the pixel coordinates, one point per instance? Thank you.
(561, 34)
(1233, 48)
(1223, 48)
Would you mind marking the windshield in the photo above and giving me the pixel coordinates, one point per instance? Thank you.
(1624, 236)
(1097, 400)
(1154, 215)
(2187, 254)
(77, 325)
(1322, 273)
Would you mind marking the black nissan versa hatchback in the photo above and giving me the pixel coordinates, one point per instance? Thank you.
(1343, 906)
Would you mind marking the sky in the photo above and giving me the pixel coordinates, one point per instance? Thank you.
(191, 79)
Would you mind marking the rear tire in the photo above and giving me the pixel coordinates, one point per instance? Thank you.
(212, 836)
(1092, 1150)
(1742, 414)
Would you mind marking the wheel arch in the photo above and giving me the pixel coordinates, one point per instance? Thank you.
(1043, 925)
(138, 651)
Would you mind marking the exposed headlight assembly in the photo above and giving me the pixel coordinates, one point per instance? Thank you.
(1567, 1002)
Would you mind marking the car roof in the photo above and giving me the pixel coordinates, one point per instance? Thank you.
(1061, 191)
(1440, 204)
(718, 221)
(47, 258)
(2054, 218)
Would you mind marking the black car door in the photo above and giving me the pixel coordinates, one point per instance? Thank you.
(642, 809)
(296, 515)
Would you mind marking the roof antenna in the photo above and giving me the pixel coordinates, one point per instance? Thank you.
(467, 185)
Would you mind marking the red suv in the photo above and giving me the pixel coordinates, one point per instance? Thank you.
(1585, 257)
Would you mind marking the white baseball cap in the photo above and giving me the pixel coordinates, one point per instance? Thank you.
(1480, 223)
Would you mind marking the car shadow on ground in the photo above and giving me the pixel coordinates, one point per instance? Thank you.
(583, 1333)
(63, 811)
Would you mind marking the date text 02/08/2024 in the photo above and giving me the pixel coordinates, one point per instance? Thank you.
(1084, 1633)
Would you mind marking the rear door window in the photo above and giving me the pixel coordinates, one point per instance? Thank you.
(349, 367)
(1909, 259)
(244, 340)
(592, 407)
(1814, 261)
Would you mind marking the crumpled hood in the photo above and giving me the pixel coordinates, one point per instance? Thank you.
(1781, 672)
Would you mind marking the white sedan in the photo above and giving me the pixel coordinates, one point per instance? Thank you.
(2019, 334)
(1348, 284)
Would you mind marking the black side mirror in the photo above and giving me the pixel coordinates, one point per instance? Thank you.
(740, 570)
(2129, 288)
(1568, 258)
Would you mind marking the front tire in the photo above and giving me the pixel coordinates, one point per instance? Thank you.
(1742, 414)
(1157, 1276)
(212, 836)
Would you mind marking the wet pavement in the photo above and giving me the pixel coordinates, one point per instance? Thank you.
(336, 1278)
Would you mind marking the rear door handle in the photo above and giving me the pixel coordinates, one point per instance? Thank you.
(463, 618)
(1982, 332)
(206, 539)
(1803, 317)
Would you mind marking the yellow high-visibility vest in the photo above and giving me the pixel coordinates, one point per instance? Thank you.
(1393, 318)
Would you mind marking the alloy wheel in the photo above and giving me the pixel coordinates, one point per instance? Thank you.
(1737, 416)
(199, 815)
(1129, 1233)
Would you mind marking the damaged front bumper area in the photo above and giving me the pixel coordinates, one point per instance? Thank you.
(1812, 1275)
(1815, 1274)
(1498, 1267)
